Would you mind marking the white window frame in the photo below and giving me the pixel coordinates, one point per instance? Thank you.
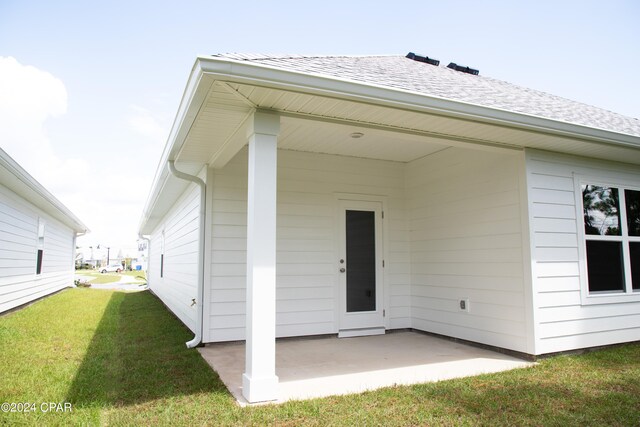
(628, 295)
(40, 235)
(162, 259)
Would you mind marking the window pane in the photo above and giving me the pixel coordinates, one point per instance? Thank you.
(40, 234)
(604, 266)
(634, 251)
(601, 209)
(633, 211)
(39, 261)
(361, 261)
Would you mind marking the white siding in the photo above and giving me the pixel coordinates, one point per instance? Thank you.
(306, 246)
(19, 283)
(466, 243)
(178, 286)
(562, 321)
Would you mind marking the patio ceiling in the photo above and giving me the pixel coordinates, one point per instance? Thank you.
(323, 124)
(219, 132)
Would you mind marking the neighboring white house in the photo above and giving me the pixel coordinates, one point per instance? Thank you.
(37, 238)
(355, 195)
(142, 258)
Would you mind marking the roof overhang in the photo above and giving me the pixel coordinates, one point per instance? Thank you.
(16, 179)
(221, 94)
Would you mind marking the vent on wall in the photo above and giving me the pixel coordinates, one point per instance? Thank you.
(463, 69)
(423, 58)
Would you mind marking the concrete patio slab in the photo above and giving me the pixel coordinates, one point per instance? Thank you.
(319, 367)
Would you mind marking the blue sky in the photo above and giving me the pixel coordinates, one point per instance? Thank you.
(100, 82)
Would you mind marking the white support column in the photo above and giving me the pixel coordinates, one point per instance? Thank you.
(259, 382)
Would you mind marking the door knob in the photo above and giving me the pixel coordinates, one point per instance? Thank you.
(342, 270)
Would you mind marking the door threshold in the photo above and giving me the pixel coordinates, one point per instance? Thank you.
(361, 332)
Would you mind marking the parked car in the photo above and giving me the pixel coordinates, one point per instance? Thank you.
(111, 268)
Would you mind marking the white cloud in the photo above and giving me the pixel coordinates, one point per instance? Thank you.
(28, 98)
(29, 93)
(106, 192)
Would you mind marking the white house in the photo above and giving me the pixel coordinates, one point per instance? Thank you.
(140, 262)
(306, 195)
(37, 238)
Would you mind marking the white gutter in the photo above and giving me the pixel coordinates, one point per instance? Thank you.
(197, 339)
(192, 98)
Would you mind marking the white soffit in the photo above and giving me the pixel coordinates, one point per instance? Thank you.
(322, 124)
(337, 138)
(218, 121)
(441, 129)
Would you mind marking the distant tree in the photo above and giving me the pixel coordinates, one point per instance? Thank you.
(606, 201)
(633, 211)
(588, 200)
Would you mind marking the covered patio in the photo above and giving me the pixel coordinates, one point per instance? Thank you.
(357, 202)
(324, 366)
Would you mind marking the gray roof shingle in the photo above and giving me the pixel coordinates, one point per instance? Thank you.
(398, 72)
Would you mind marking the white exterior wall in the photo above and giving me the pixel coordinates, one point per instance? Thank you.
(466, 243)
(562, 321)
(178, 286)
(19, 283)
(307, 260)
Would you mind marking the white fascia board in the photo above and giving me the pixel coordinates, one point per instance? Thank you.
(22, 183)
(159, 182)
(257, 74)
(193, 98)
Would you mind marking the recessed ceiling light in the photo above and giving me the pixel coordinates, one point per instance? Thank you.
(357, 135)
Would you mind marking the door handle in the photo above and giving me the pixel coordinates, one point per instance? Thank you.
(342, 270)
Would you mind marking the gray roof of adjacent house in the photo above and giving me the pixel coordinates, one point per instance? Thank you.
(401, 73)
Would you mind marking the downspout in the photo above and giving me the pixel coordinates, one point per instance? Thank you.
(197, 339)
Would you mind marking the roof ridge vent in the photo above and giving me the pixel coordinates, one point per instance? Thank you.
(463, 69)
(423, 58)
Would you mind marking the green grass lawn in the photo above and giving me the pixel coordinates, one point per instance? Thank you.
(138, 274)
(120, 359)
(100, 278)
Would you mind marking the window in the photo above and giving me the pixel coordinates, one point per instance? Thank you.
(632, 199)
(40, 246)
(162, 255)
(611, 219)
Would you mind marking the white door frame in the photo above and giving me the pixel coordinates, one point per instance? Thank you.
(370, 322)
